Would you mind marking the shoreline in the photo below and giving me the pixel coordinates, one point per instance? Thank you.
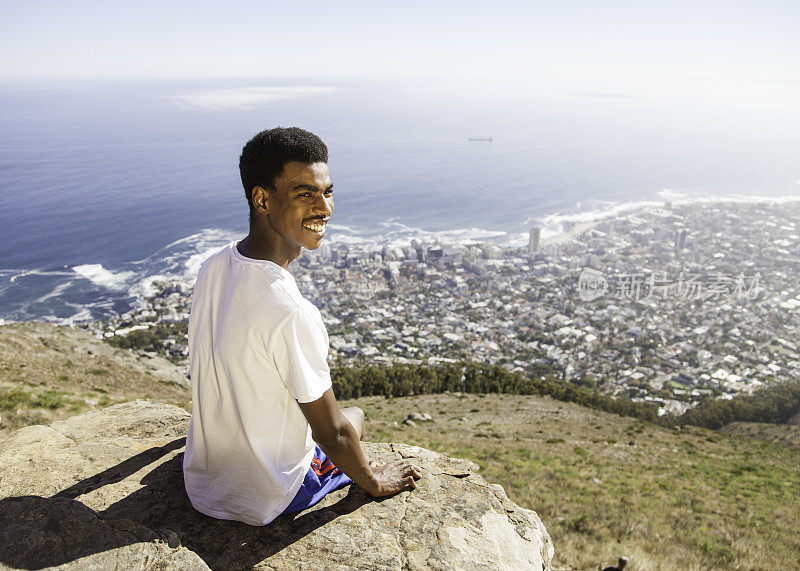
(181, 259)
(583, 221)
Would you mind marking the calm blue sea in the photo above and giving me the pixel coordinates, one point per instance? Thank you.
(104, 186)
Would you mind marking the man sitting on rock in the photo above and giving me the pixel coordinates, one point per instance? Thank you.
(266, 435)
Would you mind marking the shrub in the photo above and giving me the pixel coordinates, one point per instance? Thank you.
(11, 398)
(476, 378)
(51, 399)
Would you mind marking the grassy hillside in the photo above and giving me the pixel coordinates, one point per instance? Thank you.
(48, 373)
(784, 434)
(607, 485)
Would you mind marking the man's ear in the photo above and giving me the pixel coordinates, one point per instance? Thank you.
(260, 199)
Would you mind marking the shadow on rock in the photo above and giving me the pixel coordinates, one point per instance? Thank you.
(41, 532)
(163, 504)
(37, 532)
(122, 470)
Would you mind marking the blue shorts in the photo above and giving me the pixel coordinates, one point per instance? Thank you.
(321, 479)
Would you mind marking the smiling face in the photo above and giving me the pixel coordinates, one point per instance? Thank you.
(294, 212)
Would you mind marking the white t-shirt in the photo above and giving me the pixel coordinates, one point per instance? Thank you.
(256, 347)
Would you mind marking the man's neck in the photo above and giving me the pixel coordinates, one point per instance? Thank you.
(259, 247)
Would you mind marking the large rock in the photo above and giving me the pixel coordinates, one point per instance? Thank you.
(105, 490)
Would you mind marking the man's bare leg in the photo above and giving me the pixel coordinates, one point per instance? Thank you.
(356, 417)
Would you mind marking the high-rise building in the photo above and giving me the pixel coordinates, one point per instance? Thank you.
(534, 239)
(680, 241)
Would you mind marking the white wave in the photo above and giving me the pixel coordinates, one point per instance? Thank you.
(472, 233)
(398, 229)
(560, 222)
(194, 262)
(248, 96)
(554, 225)
(16, 274)
(347, 239)
(21, 274)
(197, 249)
(98, 275)
(205, 236)
(394, 233)
(181, 260)
(145, 287)
(342, 228)
(56, 291)
(83, 314)
(178, 262)
(737, 198)
(521, 238)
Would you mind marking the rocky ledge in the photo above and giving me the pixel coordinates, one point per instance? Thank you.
(104, 490)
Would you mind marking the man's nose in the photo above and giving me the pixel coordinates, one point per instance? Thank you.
(324, 205)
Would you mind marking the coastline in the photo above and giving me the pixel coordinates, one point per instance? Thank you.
(683, 302)
(178, 262)
(584, 221)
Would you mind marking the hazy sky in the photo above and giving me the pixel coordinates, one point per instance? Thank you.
(584, 42)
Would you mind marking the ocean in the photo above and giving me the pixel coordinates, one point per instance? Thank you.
(105, 187)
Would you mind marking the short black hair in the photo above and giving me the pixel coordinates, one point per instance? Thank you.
(264, 156)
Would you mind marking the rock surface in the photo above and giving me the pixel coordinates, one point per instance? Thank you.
(105, 490)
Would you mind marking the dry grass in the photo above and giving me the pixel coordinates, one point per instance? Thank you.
(607, 486)
(48, 373)
(604, 485)
(784, 434)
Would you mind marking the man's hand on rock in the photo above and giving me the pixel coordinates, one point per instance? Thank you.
(393, 478)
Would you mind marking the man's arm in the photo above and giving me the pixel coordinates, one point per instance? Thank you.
(339, 440)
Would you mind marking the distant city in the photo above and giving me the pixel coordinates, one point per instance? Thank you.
(668, 305)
